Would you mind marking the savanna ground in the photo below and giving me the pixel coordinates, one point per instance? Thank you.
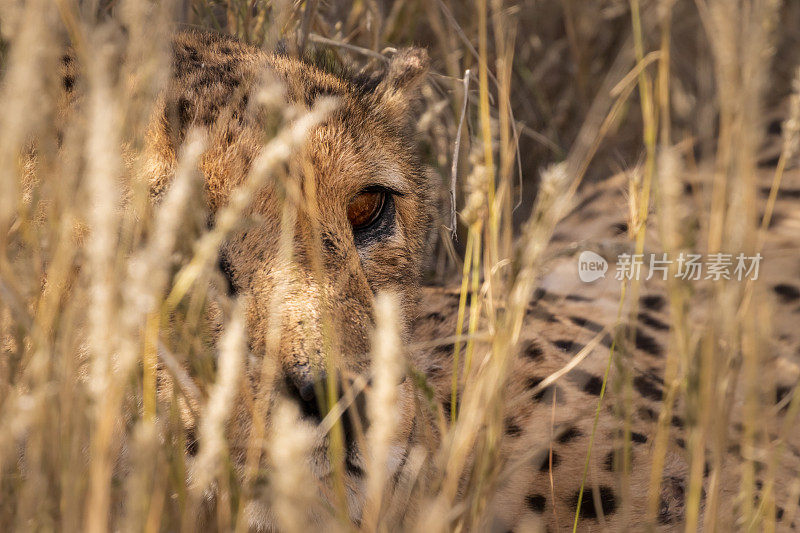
(603, 87)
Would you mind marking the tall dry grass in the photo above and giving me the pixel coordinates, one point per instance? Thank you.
(100, 291)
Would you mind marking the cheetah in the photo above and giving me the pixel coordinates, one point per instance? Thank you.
(368, 233)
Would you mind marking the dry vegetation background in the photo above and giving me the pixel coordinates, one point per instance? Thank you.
(598, 85)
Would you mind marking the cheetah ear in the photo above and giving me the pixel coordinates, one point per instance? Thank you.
(403, 76)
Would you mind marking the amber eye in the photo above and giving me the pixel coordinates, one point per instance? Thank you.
(365, 208)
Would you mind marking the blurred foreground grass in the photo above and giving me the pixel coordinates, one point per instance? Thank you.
(596, 86)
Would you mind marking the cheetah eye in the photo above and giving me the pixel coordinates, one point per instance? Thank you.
(372, 215)
(365, 208)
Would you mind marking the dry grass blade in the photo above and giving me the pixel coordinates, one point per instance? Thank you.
(383, 405)
(209, 464)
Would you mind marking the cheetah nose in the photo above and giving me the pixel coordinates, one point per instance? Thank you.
(306, 390)
(304, 387)
(309, 390)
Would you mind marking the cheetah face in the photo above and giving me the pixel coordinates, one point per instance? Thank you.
(359, 228)
(346, 219)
